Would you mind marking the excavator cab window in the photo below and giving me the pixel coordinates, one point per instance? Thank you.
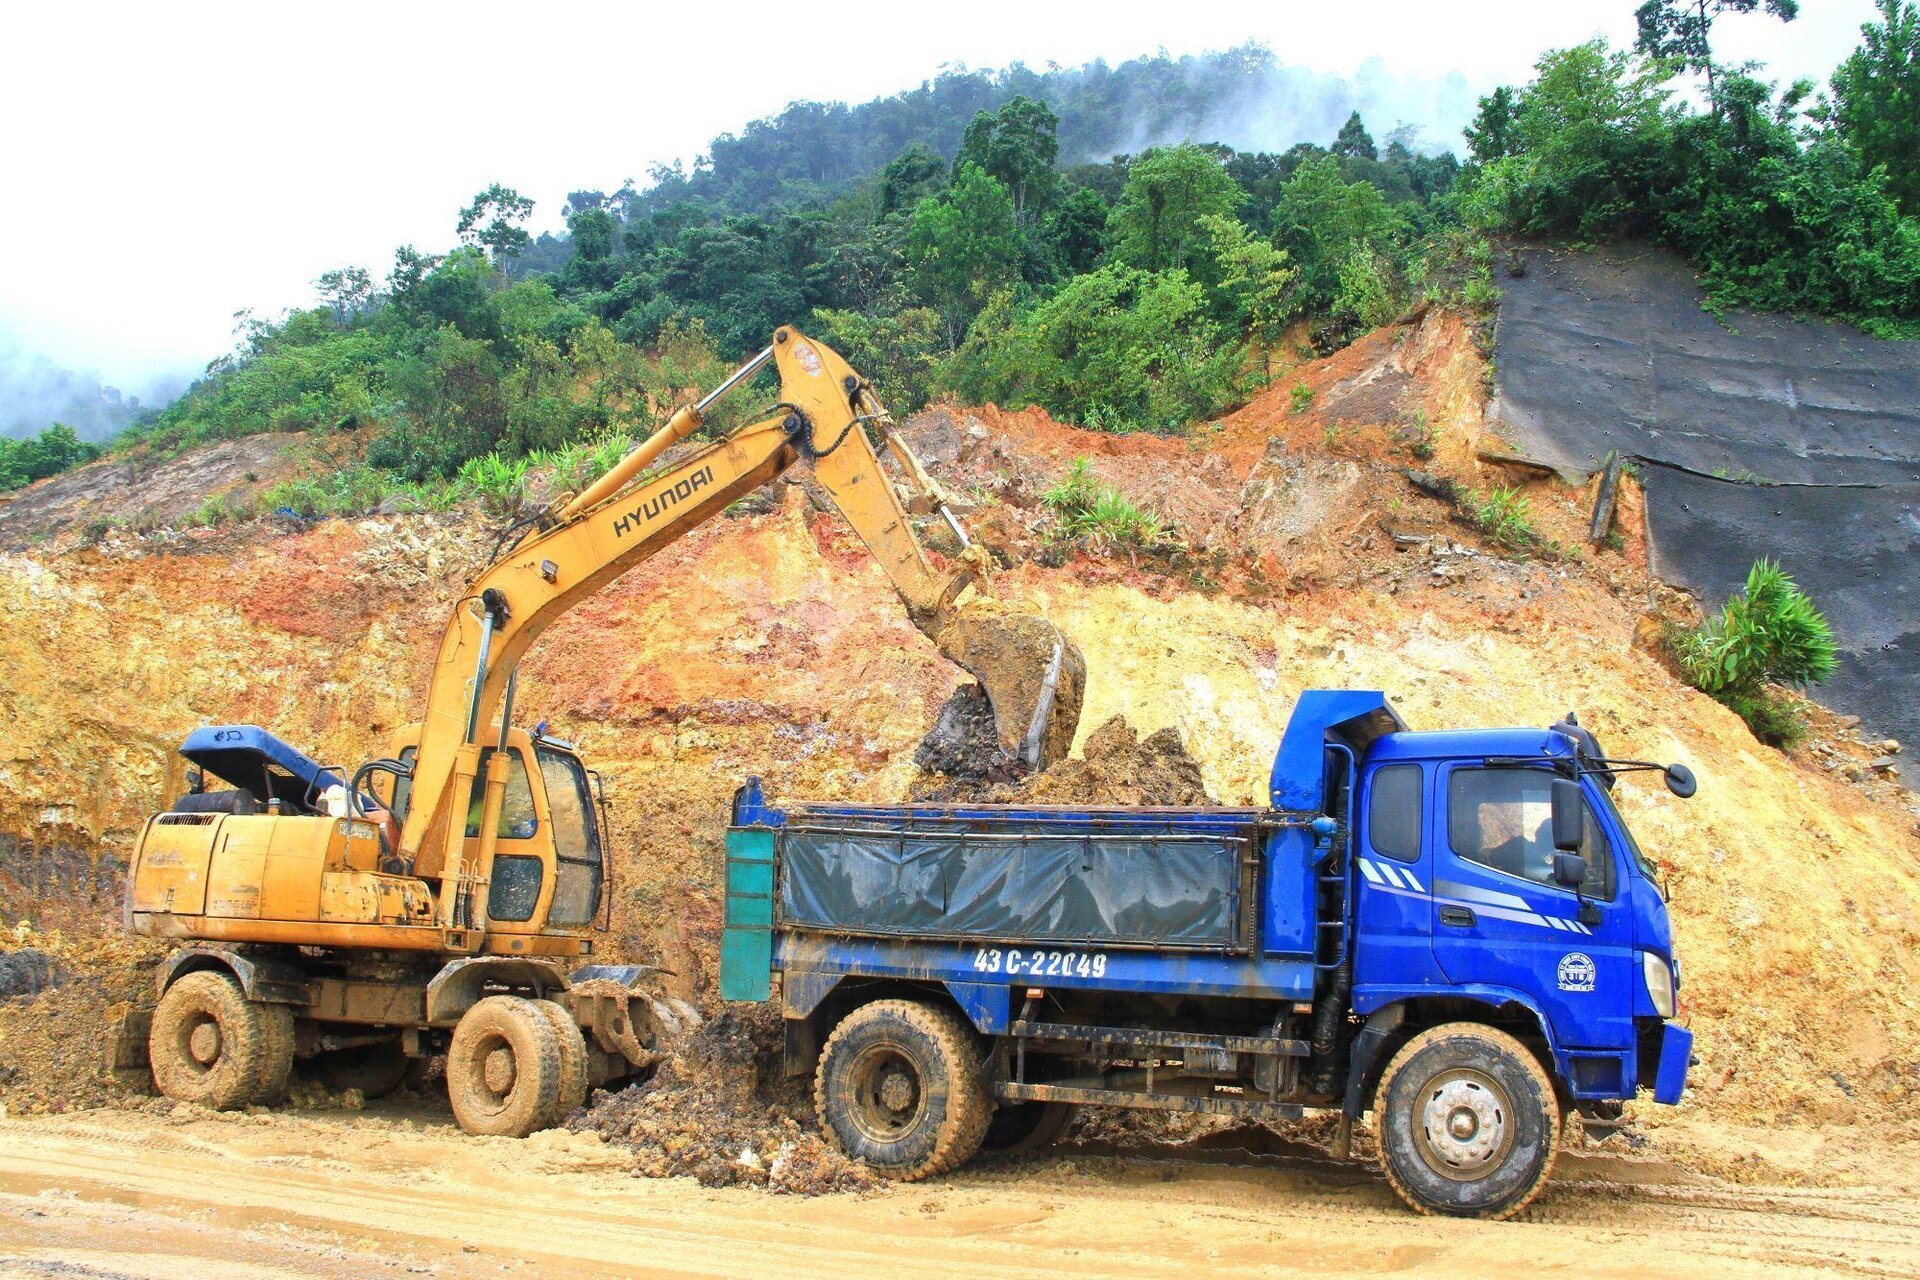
(518, 821)
(576, 839)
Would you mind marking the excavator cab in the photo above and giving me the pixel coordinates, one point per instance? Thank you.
(549, 862)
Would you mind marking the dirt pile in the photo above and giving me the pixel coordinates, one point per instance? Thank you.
(721, 1110)
(52, 1047)
(1116, 766)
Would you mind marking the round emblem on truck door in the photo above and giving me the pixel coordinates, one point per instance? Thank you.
(1576, 971)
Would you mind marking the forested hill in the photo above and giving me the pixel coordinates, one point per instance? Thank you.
(1008, 236)
(1243, 97)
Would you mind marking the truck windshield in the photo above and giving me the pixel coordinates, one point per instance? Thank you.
(1640, 860)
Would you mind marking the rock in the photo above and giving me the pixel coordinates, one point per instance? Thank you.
(28, 972)
(1885, 765)
(1890, 747)
(1286, 498)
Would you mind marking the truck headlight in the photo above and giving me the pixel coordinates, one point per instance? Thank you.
(1659, 982)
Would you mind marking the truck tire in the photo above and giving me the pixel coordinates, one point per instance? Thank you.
(376, 1070)
(1468, 1122)
(572, 1092)
(503, 1068)
(209, 1043)
(899, 1086)
(1020, 1127)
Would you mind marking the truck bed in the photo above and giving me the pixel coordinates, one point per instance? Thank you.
(1168, 878)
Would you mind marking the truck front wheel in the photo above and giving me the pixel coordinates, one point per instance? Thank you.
(1467, 1122)
(899, 1086)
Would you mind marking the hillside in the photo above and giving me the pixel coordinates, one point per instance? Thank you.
(1308, 558)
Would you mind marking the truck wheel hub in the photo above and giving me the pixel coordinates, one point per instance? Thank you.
(498, 1071)
(1463, 1125)
(204, 1043)
(896, 1091)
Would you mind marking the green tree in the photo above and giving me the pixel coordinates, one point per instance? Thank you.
(1077, 230)
(1170, 190)
(1017, 145)
(493, 221)
(909, 177)
(1257, 282)
(1680, 32)
(1491, 135)
(1876, 99)
(347, 290)
(964, 245)
(1354, 141)
(1117, 349)
(1323, 221)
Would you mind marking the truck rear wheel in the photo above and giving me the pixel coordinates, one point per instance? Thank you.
(1468, 1122)
(503, 1068)
(573, 1060)
(1020, 1127)
(899, 1086)
(210, 1044)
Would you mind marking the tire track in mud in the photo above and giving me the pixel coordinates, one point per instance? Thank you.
(403, 1185)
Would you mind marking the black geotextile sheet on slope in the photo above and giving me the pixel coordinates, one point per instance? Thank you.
(1169, 891)
(1768, 437)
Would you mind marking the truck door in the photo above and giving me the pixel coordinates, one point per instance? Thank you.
(1393, 878)
(1499, 919)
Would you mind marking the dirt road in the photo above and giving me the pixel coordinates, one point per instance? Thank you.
(398, 1191)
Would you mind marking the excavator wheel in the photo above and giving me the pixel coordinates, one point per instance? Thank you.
(503, 1068)
(210, 1044)
(376, 1070)
(573, 1061)
(276, 1058)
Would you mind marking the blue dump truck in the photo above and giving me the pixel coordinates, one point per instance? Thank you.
(1453, 930)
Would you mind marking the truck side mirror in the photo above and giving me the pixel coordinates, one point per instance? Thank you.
(1569, 815)
(1680, 781)
(1569, 869)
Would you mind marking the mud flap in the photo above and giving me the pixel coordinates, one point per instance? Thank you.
(1676, 1055)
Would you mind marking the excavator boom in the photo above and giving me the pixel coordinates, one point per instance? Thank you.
(1030, 671)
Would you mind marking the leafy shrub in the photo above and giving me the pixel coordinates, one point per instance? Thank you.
(1300, 399)
(37, 457)
(1503, 514)
(1098, 515)
(500, 483)
(1770, 633)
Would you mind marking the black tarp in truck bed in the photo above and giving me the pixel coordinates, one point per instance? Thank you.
(1170, 877)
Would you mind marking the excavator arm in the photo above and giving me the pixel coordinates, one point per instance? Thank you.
(580, 545)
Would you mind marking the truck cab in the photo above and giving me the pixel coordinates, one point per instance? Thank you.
(1457, 898)
(1455, 931)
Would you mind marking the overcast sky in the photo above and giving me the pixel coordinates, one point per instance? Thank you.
(163, 166)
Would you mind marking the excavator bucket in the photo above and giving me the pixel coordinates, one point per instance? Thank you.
(1034, 677)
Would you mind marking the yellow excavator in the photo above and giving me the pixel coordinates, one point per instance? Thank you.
(443, 898)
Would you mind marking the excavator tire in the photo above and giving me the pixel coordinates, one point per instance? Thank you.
(209, 1043)
(899, 1086)
(276, 1057)
(503, 1068)
(573, 1061)
(376, 1070)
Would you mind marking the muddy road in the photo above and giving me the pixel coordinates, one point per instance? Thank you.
(398, 1191)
